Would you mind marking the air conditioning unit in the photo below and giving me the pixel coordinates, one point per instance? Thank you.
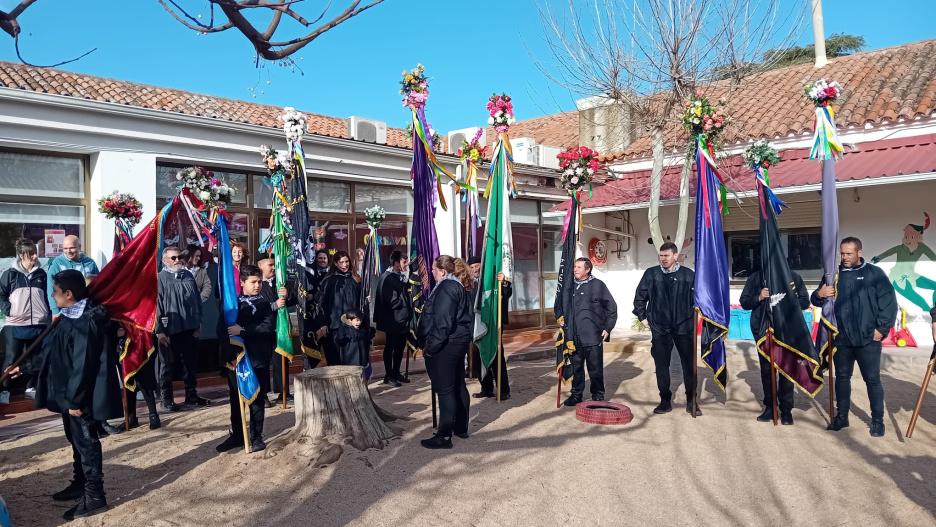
(367, 130)
(455, 138)
(524, 151)
(547, 156)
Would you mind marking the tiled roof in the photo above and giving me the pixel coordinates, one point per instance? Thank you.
(561, 129)
(889, 157)
(58, 82)
(879, 86)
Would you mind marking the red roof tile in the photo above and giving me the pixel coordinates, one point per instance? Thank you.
(891, 157)
(561, 129)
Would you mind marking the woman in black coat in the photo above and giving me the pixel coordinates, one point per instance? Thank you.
(443, 334)
(339, 291)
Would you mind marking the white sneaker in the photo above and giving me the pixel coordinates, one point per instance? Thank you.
(31, 393)
(4, 397)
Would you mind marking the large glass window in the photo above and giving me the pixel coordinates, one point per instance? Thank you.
(45, 176)
(803, 253)
(394, 200)
(526, 280)
(45, 225)
(329, 196)
(167, 183)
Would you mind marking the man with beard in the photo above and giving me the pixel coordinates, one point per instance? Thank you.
(178, 318)
(392, 315)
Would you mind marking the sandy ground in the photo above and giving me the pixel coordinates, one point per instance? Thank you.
(526, 463)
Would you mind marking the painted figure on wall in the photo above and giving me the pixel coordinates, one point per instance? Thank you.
(906, 280)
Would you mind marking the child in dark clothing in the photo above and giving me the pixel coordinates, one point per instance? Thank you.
(256, 324)
(353, 341)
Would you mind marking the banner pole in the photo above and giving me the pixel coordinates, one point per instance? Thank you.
(773, 377)
(559, 389)
(695, 364)
(243, 407)
(831, 372)
(36, 344)
(919, 404)
(126, 415)
(498, 351)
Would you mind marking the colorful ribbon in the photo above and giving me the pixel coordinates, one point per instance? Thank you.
(826, 143)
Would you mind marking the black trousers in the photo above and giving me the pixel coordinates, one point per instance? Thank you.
(487, 380)
(14, 348)
(591, 357)
(447, 374)
(661, 348)
(88, 460)
(257, 410)
(868, 358)
(393, 353)
(145, 382)
(278, 374)
(182, 347)
(784, 387)
(330, 350)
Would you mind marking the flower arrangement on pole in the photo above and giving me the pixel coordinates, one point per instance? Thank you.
(472, 151)
(375, 216)
(472, 155)
(578, 167)
(294, 123)
(415, 87)
(436, 137)
(126, 212)
(213, 191)
(705, 121)
(502, 114)
(760, 156)
(826, 143)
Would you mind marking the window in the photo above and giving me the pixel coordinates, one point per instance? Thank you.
(394, 200)
(803, 250)
(167, 184)
(329, 196)
(61, 177)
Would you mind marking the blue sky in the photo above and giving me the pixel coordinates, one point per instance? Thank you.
(470, 49)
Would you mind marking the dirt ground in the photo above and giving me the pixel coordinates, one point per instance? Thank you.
(526, 463)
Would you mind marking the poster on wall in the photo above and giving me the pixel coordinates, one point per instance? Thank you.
(54, 239)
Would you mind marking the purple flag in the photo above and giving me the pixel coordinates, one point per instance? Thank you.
(424, 199)
(830, 249)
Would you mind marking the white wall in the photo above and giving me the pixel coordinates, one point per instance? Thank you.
(129, 172)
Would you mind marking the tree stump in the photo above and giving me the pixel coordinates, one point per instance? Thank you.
(333, 408)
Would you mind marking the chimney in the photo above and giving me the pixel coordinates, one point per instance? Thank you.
(818, 33)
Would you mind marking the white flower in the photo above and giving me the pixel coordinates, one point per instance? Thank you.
(204, 195)
(179, 176)
(574, 180)
(511, 120)
(568, 172)
(490, 120)
(500, 113)
(590, 171)
(578, 171)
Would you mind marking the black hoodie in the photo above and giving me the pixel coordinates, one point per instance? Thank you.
(865, 300)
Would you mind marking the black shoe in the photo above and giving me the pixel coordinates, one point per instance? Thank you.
(392, 381)
(483, 395)
(289, 398)
(72, 492)
(134, 422)
(400, 377)
(572, 401)
(266, 402)
(505, 396)
(663, 408)
(766, 416)
(786, 418)
(698, 411)
(86, 507)
(463, 435)
(110, 430)
(877, 428)
(839, 422)
(230, 443)
(597, 398)
(170, 406)
(154, 421)
(257, 445)
(436, 442)
(196, 400)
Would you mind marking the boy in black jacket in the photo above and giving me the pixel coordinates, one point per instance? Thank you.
(76, 378)
(256, 324)
(353, 341)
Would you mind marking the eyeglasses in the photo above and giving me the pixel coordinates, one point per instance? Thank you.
(173, 258)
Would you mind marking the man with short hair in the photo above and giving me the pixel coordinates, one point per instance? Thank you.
(865, 311)
(71, 258)
(392, 314)
(271, 294)
(178, 318)
(595, 315)
(664, 305)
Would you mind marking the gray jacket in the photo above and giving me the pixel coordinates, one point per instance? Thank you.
(179, 307)
(202, 282)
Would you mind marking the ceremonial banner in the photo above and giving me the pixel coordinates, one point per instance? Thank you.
(370, 268)
(565, 346)
(305, 258)
(425, 191)
(496, 252)
(711, 272)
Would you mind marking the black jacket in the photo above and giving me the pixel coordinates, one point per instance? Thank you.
(179, 307)
(353, 344)
(865, 300)
(269, 293)
(750, 300)
(392, 310)
(338, 293)
(447, 317)
(665, 300)
(594, 310)
(506, 293)
(259, 333)
(77, 370)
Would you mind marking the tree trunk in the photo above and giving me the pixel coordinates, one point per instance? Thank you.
(683, 205)
(656, 180)
(333, 408)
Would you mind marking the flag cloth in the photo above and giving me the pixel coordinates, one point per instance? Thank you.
(496, 252)
(711, 273)
(472, 218)
(370, 268)
(281, 254)
(565, 346)
(248, 386)
(305, 258)
(417, 298)
(425, 193)
(791, 343)
(830, 250)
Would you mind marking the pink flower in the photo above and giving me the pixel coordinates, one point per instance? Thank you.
(698, 92)
(718, 125)
(688, 104)
(708, 126)
(718, 113)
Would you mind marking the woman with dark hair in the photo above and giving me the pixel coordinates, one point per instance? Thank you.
(339, 291)
(237, 255)
(191, 258)
(443, 334)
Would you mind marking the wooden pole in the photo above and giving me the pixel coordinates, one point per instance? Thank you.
(126, 415)
(559, 391)
(500, 356)
(30, 349)
(923, 388)
(243, 407)
(695, 364)
(831, 372)
(285, 381)
(773, 376)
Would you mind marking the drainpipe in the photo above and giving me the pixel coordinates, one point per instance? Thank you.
(818, 34)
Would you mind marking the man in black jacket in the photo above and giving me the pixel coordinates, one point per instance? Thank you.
(392, 314)
(865, 310)
(489, 377)
(595, 315)
(178, 319)
(756, 298)
(663, 303)
(269, 293)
